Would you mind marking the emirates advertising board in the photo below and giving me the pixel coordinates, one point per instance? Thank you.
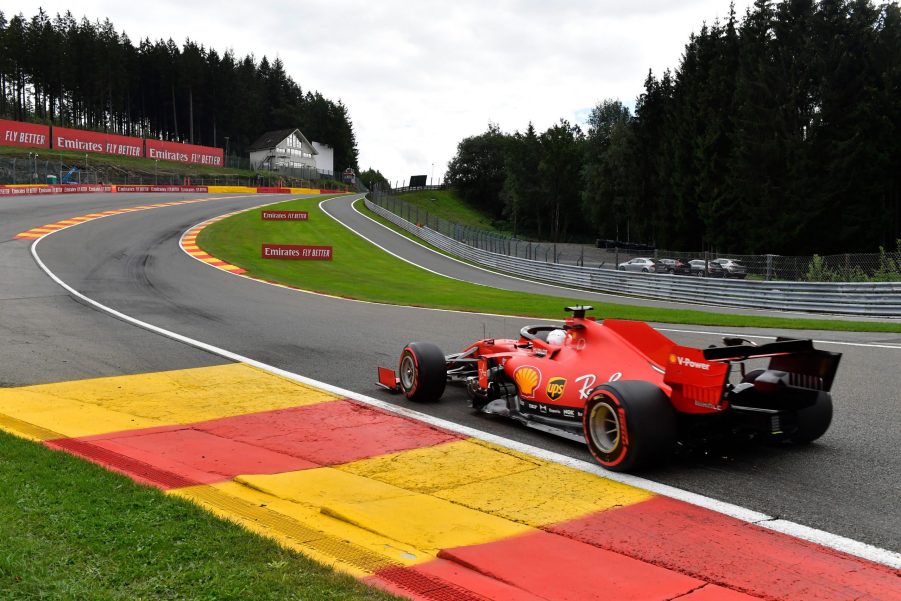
(297, 252)
(103, 143)
(26, 135)
(184, 153)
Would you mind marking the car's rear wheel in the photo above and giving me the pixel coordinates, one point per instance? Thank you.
(423, 372)
(629, 425)
(621, 268)
(813, 421)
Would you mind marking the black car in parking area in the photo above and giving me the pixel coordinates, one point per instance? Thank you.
(675, 266)
(709, 269)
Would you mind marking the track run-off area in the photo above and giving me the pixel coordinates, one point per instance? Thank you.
(258, 402)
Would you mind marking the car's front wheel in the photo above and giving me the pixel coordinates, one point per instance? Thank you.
(629, 425)
(423, 372)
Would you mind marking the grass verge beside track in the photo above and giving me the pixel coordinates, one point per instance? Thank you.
(445, 204)
(362, 271)
(73, 530)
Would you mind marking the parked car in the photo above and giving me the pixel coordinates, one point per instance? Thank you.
(642, 264)
(733, 269)
(702, 268)
(676, 266)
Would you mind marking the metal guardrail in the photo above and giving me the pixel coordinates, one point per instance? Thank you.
(884, 266)
(882, 299)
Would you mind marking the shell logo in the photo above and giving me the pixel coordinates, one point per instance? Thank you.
(672, 358)
(527, 379)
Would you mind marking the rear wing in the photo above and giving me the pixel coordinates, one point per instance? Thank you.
(698, 378)
(739, 352)
(798, 357)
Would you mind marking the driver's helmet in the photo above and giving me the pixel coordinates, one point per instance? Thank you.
(556, 337)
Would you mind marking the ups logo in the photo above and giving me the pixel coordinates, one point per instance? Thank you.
(555, 388)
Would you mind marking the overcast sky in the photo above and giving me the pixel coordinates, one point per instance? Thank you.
(418, 77)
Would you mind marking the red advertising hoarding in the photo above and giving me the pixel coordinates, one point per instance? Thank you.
(28, 135)
(293, 251)
(59, 189)
(184, 153)
(89, 141)
(163, 188)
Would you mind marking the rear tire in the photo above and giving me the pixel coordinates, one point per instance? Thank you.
(629, 425)
(423, 372)
(813, 421)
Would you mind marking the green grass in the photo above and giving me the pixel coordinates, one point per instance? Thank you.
(72, 530)
(445, 204)
(361, 271)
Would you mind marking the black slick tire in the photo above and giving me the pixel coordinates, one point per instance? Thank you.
(629, 425)
(813, 421)
(423, 372)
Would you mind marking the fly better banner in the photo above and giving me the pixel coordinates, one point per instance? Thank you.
(33, 135)
(27, 135)
(103, 143)
(184, 153)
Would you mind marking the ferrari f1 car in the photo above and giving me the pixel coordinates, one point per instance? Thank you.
(627, 390)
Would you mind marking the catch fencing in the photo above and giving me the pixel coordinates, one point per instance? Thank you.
(864, 298)
(847, 267)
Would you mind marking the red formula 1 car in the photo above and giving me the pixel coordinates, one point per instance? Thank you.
(629, 391)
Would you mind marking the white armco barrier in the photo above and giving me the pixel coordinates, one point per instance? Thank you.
(877, 299)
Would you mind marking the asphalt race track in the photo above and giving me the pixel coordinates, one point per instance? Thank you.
(847, 483)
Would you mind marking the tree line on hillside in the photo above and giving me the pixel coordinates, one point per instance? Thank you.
(87, 75)
(778, 133)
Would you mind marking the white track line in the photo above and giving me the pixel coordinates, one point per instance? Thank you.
(826, 539)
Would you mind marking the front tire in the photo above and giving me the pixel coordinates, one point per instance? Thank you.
(629, 425)
(423, 372)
